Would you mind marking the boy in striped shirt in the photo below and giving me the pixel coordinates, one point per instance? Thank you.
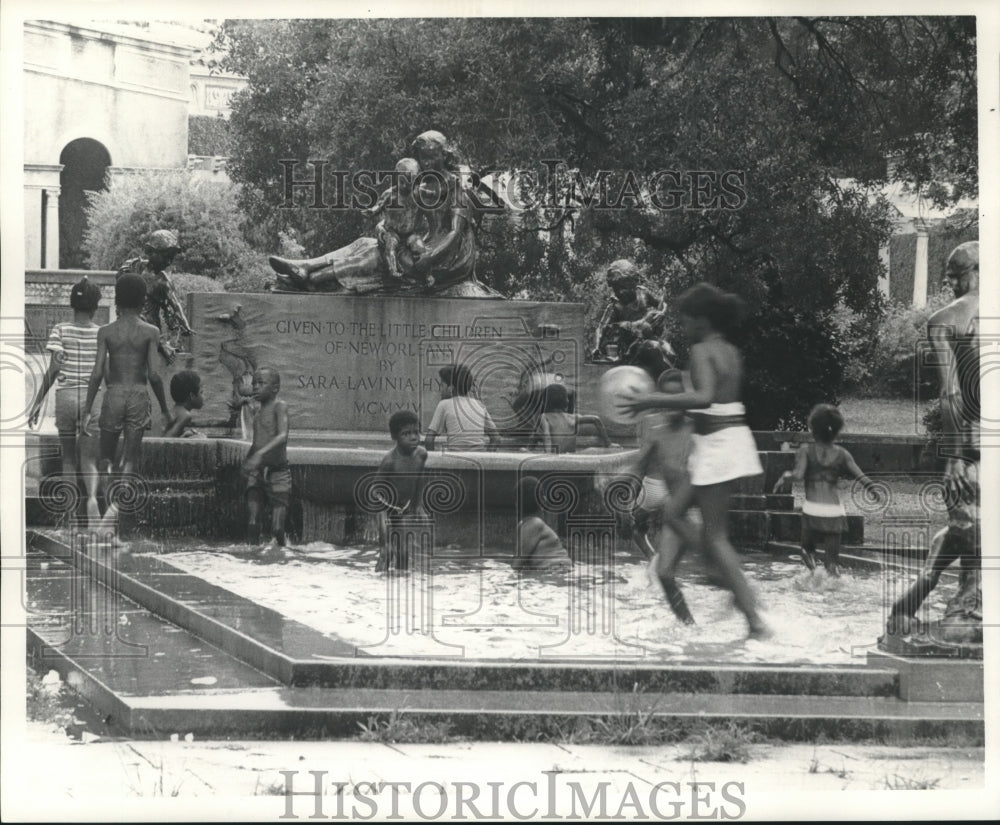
(73, 345)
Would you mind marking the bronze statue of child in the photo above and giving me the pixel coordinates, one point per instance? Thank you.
(400, 216)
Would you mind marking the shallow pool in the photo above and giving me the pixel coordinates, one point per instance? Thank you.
(482, 609)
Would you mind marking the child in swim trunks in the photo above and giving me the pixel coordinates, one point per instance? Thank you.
(266, 466)
(821, 465)
(402, 469)
(127, 361)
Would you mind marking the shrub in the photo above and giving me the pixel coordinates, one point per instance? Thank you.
(891, 363)
(185, 282)
(208, 135)
(203, 213)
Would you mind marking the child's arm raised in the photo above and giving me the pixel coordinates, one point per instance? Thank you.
(796, 474)
(96, 376)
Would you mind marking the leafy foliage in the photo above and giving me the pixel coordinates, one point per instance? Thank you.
(805, 109)
(208, 136)
(204, 214)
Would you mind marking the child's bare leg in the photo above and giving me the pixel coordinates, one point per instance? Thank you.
(278, 525)
(831, 551)
(254, 503)
(677, 536)
(713, 500)
(671, 550)
(808, 548)
(132, 445)
(88, 446)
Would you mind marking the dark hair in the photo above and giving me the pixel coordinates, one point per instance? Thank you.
(85, 296)
(400, 419)
(527, 501)
(446, 374)
(130, 291)
(651, 357)
(271, 371)
(461, 381)
(724, 310)
(183, 385)
(825, 422)
(555, 398)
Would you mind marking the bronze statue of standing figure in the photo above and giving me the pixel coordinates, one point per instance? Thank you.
(954, 336)
(437, 254)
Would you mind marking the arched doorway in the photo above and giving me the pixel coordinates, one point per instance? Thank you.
(85, 163)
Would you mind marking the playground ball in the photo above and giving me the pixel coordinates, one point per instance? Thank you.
(617, 384)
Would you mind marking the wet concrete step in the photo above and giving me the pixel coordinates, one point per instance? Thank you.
(315, 712)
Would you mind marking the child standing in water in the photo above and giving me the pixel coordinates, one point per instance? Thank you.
(74, 351)
(723, 449)
(821, 465)
(266, 466)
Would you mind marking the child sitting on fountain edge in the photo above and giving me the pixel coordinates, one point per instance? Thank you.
(402, 472)
(557, 427)
(266, 466)
(185, 390)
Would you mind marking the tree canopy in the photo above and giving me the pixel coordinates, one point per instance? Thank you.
(805, 110)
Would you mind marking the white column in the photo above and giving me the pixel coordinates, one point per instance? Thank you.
(32, 227)
(920, 272)
(52, 229)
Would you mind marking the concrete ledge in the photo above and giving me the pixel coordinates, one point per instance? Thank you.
(934, 679)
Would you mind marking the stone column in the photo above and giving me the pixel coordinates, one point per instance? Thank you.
(51, 228)
(920, 272)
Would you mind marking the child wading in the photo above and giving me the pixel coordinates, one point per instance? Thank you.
(266, 466)
(723, 449)
(74, 351)
(822, 465)
(402, 469)
(126, 362)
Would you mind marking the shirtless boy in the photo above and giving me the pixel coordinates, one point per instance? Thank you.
(266, 466)
(127, 362)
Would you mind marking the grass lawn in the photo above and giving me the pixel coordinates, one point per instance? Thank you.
(896, 416)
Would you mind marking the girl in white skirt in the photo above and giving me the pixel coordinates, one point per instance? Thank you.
(723, 449)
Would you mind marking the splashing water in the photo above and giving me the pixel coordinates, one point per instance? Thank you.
(482, 609)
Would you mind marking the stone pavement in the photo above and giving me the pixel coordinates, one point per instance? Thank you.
(56, 777)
